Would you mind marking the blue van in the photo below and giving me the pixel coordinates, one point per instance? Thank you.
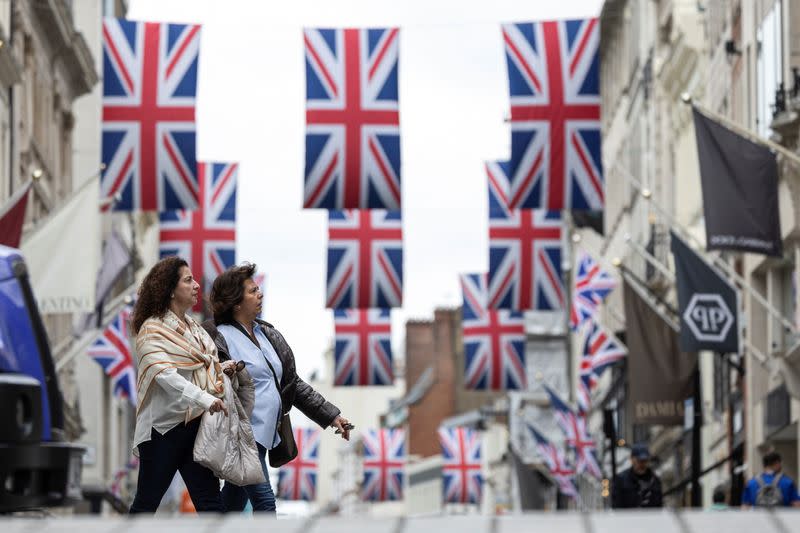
(37, 468)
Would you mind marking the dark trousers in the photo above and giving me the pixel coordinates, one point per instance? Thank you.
(160, 458)
(261, 496)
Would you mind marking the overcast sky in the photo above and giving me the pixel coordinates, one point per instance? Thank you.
(453, 98)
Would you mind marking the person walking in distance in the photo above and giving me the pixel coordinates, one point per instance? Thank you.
(637, 486)
(771, 488)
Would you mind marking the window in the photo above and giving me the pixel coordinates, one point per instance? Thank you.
(769, 64)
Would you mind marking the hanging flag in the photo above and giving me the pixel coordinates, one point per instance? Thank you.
(365, 259)
(494, 341)
(12, 216)
(708, 304)
(740, 190)
(112, 351)
(297, 479)
(591, 285)
(524, 257)
(600, 351)
(363, 347)
(660, 375)
(554, 86)
(205, 237)
(352, 119)
(148, 139)
(384, 464)
(461, 467)
(556, 461)
(577, 435)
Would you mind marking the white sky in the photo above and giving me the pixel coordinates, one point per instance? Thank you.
(453, 98)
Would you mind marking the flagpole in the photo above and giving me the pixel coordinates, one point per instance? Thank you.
(686, 98)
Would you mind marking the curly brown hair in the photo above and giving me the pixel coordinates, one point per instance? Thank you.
(228, 290)
(155, 292)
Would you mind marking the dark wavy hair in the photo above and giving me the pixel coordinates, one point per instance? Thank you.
(156, 289)
(228, 290)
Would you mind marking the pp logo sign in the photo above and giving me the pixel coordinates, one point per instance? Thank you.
(709, 317)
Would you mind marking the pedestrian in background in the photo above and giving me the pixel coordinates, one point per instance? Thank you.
(637, 486)
(719, 500)
(771, 488)
(179, 379)
(236, 301)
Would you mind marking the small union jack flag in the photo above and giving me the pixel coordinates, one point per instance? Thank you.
(590, 287)
(461, 468)
(577, 435)
(205, 237)
(352, 119)
(297, 479)
(554, 85)
(600, 351)
(365, 259)
(556, 461)
(494, 341)
(363, 349)
(524, 258)
(149, 89)
(384, 464)
(112, 351)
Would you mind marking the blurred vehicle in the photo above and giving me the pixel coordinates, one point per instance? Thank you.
(37, 468)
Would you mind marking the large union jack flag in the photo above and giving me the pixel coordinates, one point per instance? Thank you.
(524, 258)
(205, 237)
(577, 435)
(363, 349)
(557, 464)
(112, 351)
(590, 287)
(365, 259)
(149, 89)
(352, 119)
(297, 479)
(494, 341)
(600, 351)
(384, 464)
(461, 467)
(554, 84)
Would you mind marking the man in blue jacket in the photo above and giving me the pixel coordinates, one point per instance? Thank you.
(771, 488)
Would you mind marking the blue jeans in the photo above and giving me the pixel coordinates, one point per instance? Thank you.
(234, 497)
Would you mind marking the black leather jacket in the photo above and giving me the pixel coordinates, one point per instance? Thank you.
(294, 391)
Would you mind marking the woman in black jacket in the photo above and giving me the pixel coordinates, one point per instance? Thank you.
(239, 335)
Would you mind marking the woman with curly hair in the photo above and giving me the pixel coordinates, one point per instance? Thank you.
(180, 378)
(236, 302)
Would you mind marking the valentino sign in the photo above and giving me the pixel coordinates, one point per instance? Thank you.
(708, 303)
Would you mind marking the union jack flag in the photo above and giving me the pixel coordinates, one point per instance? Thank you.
(554, 85)
(556, 461)
(494, 341)
(297, 479)
(461, 468)
(365, 259)
(600, 350)
(590, 287)
(577, 435)
(352, 119)
(384, 463)
(205, 237)
(112, 351)
(524, 258)
(363, 349)
(149, 89)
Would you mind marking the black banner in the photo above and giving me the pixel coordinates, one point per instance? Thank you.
(660, 375)
(740, 190)
(707, 303)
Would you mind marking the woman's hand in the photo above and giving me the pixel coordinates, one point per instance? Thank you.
(228, 367)
(342, 424)
(218, 406)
